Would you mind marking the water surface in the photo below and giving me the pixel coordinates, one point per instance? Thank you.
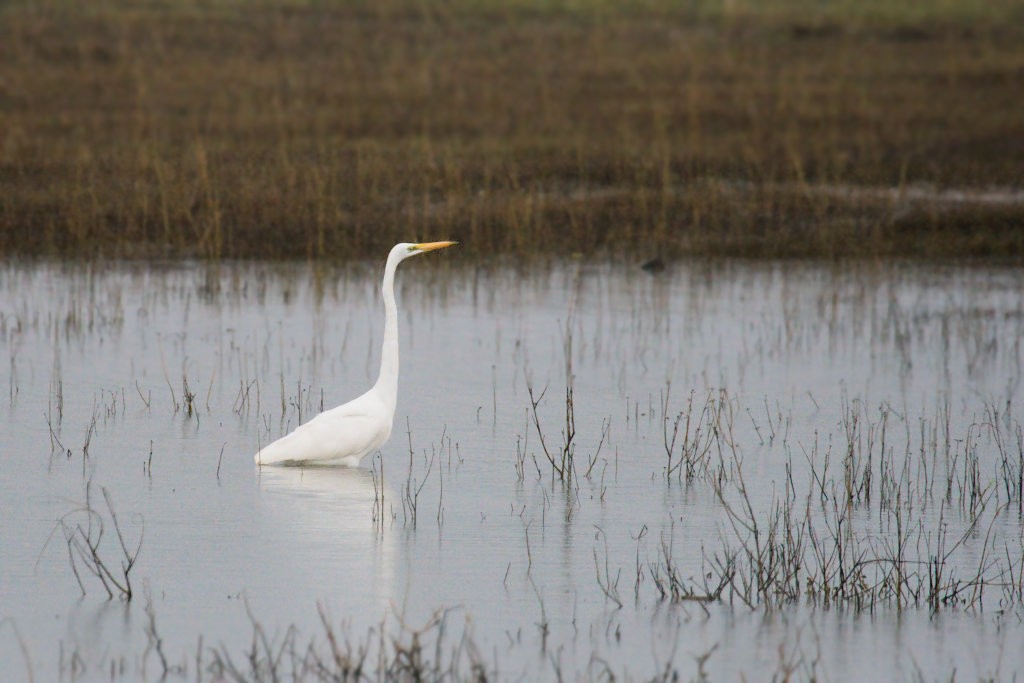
(158, 385)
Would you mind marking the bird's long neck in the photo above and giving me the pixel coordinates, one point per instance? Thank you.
(387, 381)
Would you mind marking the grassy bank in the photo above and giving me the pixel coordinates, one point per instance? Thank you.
(333, 129)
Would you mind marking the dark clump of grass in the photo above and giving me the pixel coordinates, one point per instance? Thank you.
(932, 509)
(331, 130)
(386, 653)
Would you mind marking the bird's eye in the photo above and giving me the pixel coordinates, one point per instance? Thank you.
(413, 247)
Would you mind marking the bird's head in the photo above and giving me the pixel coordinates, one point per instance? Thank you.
(406, 249)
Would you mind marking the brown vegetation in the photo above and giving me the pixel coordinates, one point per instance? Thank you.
(335, 129)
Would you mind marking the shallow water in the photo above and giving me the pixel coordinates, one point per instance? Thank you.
(800, 360)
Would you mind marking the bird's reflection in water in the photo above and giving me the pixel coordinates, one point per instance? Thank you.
(341, 487)
(328, 522)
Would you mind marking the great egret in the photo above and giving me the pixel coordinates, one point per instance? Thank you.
(345, 434)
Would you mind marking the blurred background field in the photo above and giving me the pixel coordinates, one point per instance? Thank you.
(330, 130)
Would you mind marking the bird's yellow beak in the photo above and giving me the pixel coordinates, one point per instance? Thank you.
(430, 246)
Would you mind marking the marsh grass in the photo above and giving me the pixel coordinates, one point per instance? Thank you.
(392, 650)
(83, 529)
(331, 130)
(926, 537)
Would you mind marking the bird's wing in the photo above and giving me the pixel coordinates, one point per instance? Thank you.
(328, 437)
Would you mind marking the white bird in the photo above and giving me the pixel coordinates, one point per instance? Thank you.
(343, 435)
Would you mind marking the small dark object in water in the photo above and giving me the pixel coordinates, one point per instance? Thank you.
(654, 266)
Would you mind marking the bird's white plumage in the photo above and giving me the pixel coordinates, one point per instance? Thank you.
(344, 435)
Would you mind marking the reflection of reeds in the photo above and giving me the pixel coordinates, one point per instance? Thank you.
(935, 545)
(334, 130)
